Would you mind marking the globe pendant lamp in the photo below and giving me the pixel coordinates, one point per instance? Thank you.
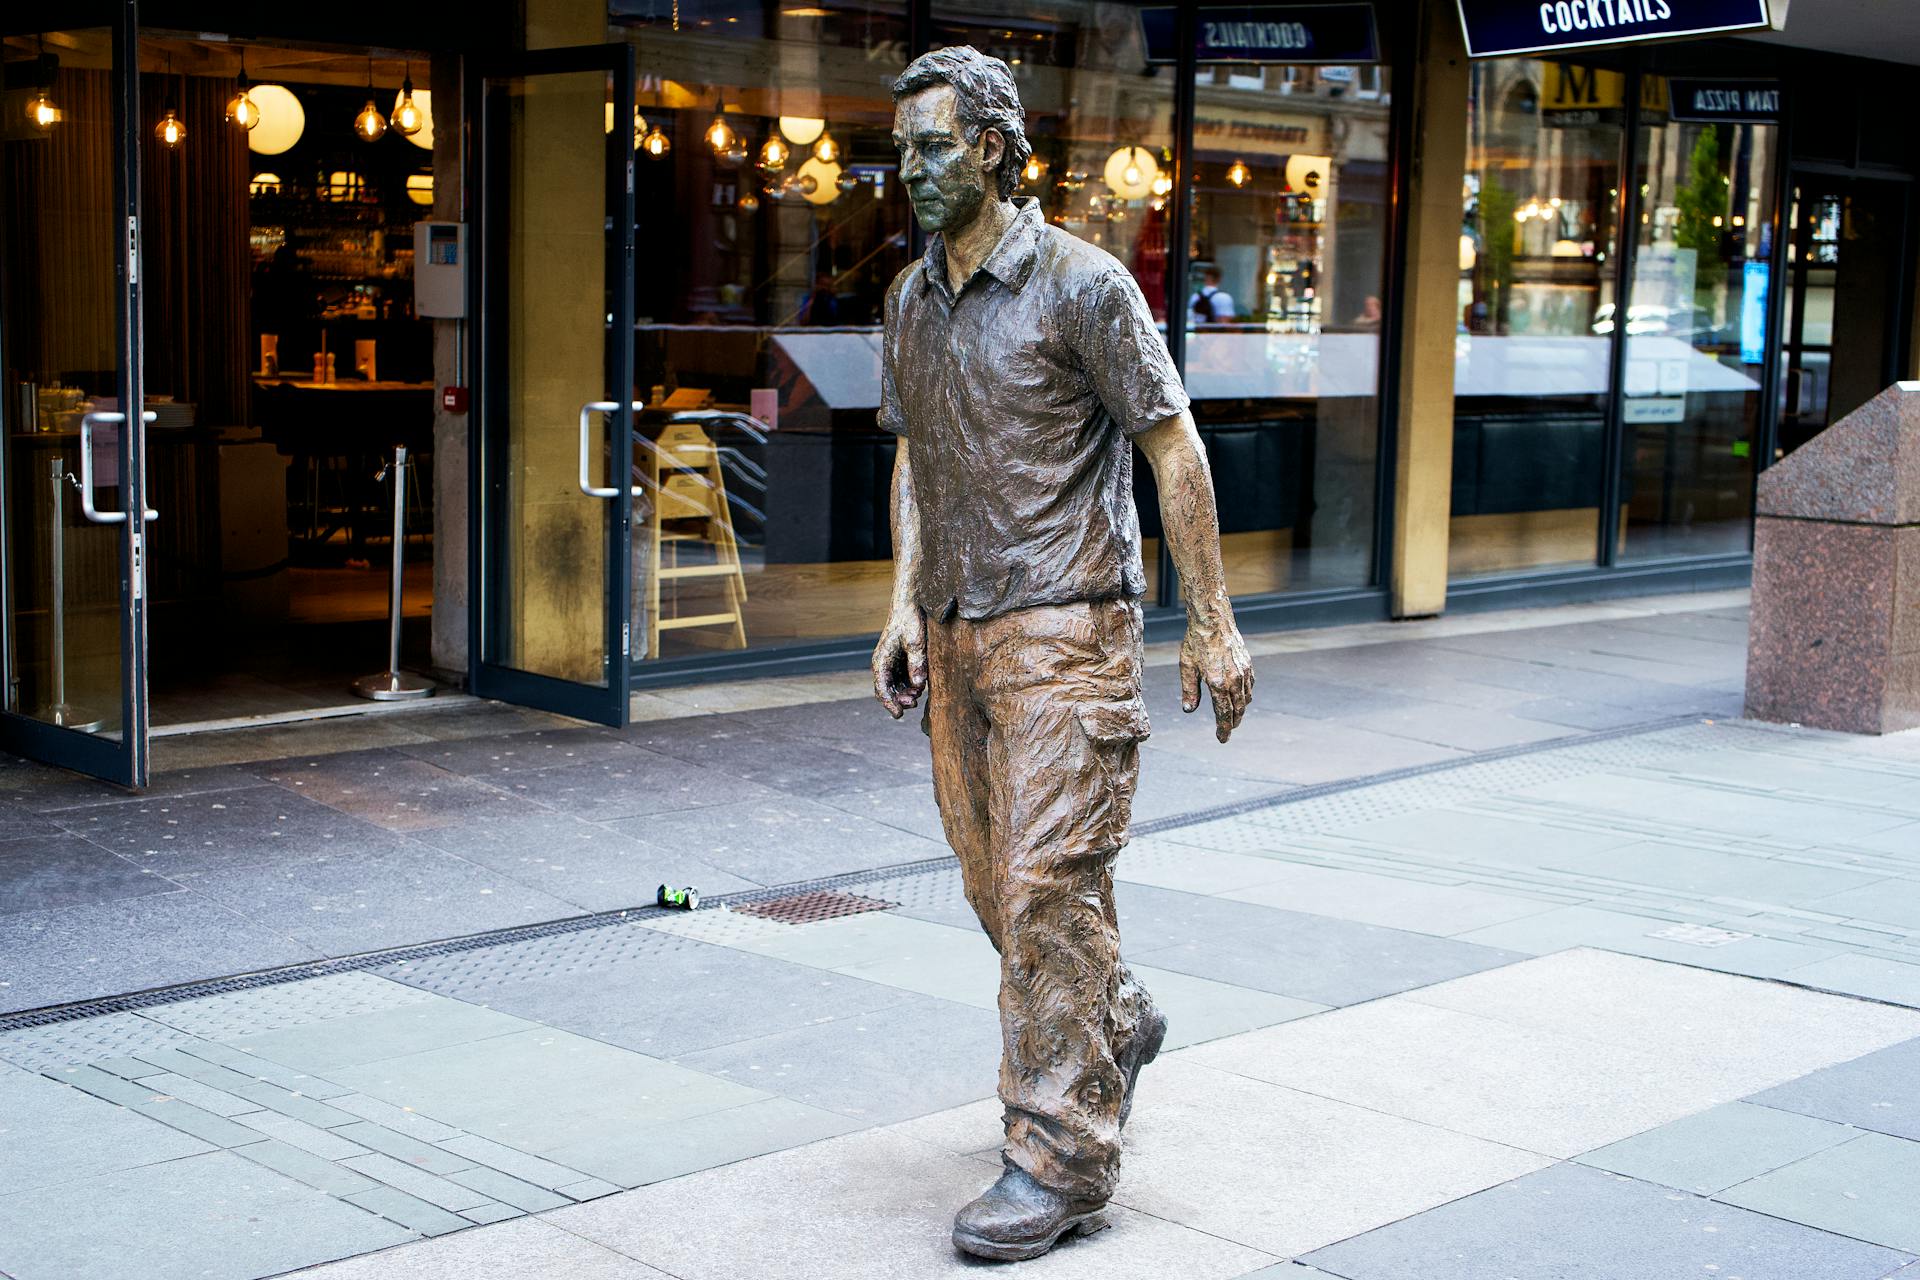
(170, 131)
(407, 116)
(242, 111)
(370, 125)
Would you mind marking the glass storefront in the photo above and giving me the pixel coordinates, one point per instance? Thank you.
(1695, 331)
(771, 222)
(1292, 190)
(1532, 373)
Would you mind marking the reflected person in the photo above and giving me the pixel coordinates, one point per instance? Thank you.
(1021, 367)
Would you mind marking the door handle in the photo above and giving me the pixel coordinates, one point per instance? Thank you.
(86, 467)
(587, 411)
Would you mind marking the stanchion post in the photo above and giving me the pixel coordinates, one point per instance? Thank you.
(393, 684)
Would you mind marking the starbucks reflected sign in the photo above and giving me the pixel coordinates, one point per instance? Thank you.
(1496, 28)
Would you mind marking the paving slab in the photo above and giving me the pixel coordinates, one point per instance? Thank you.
(1767, 1029)
(1290, 953)
(202, 1217)
(1869, 976)
(583, 863)
(392, 790)
(1868, 1189)
(1285, 1171)
(432, 1023)
(350, 903)
(1562, 928)
(782, 841)
(131, 944)
(905, 1060)
(1443, 910)
(1875, 1091)
(541, 1090)
(678, 1000)
(1711, 1151)
(40, 871)
(880, 1207)
(1570, 1221)
(703, 1141)
(1457, 1071)
(523, 1247)
(242, 827)
(51, 1134)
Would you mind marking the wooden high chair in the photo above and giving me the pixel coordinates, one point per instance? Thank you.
(682, 470)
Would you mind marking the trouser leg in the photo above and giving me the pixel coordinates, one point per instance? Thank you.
(956, 726)
(1062, 692)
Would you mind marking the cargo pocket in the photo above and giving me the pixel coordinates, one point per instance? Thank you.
(1114, 731)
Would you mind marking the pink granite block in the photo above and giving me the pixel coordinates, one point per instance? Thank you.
(1864, 469)
(1820, 634)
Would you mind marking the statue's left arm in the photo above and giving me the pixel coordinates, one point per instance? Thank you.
(1212, 653)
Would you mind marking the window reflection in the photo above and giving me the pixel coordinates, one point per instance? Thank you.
(1291, 196)
(1695, 331)
(1531, 373)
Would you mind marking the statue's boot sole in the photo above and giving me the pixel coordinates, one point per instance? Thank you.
(1022, 1250)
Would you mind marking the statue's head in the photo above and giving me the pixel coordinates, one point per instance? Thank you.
(961, 135)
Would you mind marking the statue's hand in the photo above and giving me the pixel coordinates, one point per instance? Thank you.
(1214, 654)
(900, 661)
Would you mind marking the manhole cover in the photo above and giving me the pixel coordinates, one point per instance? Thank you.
(806, 908)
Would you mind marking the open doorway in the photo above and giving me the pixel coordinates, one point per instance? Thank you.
(285, 363)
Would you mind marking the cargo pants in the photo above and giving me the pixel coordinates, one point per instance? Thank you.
(1035, 718)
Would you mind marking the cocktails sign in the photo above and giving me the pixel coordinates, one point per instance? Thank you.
(1497, 28)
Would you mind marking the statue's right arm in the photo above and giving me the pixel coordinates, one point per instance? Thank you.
(900, 659)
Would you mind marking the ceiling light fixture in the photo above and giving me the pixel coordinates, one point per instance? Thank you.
(242, 111)
(407, 117)
(370, 124)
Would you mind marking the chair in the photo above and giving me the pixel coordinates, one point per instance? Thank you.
(682, 474)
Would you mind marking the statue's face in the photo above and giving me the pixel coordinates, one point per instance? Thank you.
(948, 179)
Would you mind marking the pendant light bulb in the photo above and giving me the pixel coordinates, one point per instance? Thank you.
(41, 113)
(826, 151)
(170, 131)
(1238, 173)
(242, 111)
(1034, 170)
(775, 153)
(1162, 185)
(370, 124)
(656, 143)
(720, 135)
(408, 119)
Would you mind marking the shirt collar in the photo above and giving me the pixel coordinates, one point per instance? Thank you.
(1011, 261)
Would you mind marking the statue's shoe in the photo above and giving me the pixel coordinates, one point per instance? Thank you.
(1018, 1219)
(1142, 1047)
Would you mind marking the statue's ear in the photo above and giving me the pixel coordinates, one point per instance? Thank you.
(993, 145)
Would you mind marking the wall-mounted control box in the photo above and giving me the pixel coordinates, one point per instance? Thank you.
(440, 269)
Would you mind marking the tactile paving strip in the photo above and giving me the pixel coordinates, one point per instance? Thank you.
(290, 1004)
(561, 955)
(65, 1044)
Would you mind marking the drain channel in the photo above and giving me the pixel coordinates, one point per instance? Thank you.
(819, 892)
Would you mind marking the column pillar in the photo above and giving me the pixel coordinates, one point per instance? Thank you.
(1430, 305)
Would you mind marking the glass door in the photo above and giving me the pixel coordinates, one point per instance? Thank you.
(1845, 274)
(555, 300)
(72, 610)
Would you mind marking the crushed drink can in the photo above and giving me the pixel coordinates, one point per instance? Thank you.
(687, 899)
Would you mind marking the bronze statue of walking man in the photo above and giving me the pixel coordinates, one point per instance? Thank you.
(1021, 367)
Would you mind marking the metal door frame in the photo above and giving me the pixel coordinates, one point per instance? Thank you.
(124, 761)
(608, 703)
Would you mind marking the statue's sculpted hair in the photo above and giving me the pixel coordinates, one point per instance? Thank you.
(986, 96)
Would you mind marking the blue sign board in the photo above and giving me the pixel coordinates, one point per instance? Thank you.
(1495, 28)
(1709, 101)
(1324, 33)
(1753, 312)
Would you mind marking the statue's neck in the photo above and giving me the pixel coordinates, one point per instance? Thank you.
(968, 246)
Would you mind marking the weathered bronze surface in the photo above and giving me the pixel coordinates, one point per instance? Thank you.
(1021, 367)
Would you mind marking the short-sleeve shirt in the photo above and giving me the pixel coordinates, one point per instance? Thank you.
(1018, 398)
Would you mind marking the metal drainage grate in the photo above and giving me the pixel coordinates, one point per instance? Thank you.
(817, 905)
